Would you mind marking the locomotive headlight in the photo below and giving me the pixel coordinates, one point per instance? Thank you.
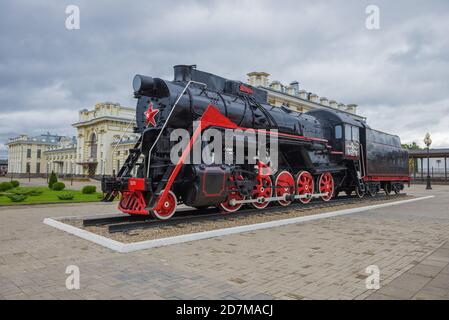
(143, 83)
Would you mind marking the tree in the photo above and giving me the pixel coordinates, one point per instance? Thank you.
(411, 146)
(412, 162)
(53, 179)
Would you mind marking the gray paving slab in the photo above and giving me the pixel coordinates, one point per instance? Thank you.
(325, 259)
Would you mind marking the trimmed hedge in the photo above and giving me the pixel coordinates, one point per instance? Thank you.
(89, 189)
(58, 186)
(27, 192)
(5, 186)
(15, 183)
(17, 197)
(66, 196)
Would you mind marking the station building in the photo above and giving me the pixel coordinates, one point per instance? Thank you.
(299, 100)
(104, 134)
(26, 153)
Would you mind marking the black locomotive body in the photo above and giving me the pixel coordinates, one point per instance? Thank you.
(318, 153)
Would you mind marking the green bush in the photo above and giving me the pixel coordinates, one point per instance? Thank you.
(5, 186)
(27, 192)
(65, 196)
(58, 186)
(17, 197)
(15, 183)
(53, 179)
(89, 189)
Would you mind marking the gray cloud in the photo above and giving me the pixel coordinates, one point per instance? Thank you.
(398, 74)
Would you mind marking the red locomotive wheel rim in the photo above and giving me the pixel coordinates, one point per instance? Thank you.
(327, 186)
(226, 205)
(168, 207)
(233, 195)
(285, 184)
(264, 188)
(304, 185)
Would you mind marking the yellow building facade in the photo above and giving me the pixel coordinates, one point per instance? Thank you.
(26, 154)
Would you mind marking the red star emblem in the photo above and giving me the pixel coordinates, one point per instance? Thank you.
(150, 114)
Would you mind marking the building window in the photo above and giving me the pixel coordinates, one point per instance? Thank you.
(38, 167)
(93, 146)
(28, 153)
(28, 167)
(39, 152)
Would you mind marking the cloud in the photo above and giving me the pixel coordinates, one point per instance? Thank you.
(398, 74)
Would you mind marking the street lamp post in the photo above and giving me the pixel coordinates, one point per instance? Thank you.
(428, 142)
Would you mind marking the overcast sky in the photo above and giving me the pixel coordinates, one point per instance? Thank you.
(398, 75)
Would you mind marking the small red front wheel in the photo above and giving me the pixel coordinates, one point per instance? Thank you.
(168, 208)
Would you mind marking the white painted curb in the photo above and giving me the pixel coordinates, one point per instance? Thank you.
(135, 246)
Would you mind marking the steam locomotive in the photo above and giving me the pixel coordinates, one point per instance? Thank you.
(320, 153)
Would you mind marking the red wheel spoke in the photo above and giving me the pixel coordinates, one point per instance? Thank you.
(285, 184)
(326, 186)
(304, 185)
(233, 195)
(263, 189)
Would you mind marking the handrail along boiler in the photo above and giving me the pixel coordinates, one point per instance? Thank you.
(320, 153)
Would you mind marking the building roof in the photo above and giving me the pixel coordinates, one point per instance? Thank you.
(434, 153)
(91, 121)
(314, 105)
(3, 162)
(45, 139)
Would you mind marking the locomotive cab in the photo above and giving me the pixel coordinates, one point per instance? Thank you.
(342, 132)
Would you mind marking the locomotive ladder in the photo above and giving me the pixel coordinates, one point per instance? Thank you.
(360, 182)
(125, 170)
(358, 169)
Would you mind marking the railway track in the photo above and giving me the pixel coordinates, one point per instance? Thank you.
(128, 223)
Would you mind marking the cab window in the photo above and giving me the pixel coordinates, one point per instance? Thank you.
(355, 133)
(348, 132)
(352, 133)
(338, 132)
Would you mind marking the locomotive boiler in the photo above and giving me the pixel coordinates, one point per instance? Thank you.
(318, 154)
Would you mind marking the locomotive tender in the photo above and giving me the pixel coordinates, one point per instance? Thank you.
(321, 153)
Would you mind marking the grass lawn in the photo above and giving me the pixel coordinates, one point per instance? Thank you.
(48, 196)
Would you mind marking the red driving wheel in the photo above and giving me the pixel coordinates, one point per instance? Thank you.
(304, 185)
(168, 208)
(285, 184)
(233, 194)
(263, 189)
(326, 185)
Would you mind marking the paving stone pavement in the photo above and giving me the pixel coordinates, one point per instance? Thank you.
(323, 259)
